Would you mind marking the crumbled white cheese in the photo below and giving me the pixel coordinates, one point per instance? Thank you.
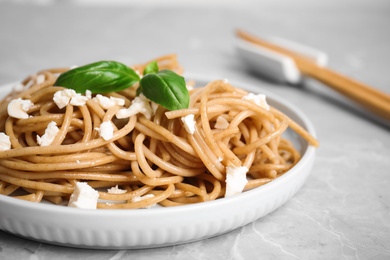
(5, 143)
(19, 87)
(189, 87)
(225, 81)
(62, 97)
(139, 73)
(189, 123)
(116, 190)
(235, 180)
(103, 101)
(106, 130)
(140, 104)
(88, 94)
(78, 100)
(68, 96)
(84, 196)
(18, 108)
(259, 99)
(136, 199)
(118, 101)
(49, 135)
(40, 79)
(221, 123)
(106, 102)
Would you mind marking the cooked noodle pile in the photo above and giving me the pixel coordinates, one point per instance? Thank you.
(156, 159)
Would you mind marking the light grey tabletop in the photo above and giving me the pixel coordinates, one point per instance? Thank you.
(343, 210)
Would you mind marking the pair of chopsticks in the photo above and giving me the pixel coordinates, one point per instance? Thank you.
(372, 99)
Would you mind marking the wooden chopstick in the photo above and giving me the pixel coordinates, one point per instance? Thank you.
(372, 99)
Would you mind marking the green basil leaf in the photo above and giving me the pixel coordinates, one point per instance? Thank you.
(98, 77)
(151, 68)
(139, 90)
(165, 88)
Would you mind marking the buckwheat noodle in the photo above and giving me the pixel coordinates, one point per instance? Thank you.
(145, 156)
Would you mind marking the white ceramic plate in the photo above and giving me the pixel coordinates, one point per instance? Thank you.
(156, 227)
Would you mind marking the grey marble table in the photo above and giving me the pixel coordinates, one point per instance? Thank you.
(343, 210)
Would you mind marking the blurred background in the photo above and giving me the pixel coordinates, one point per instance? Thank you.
(342, 212)
(37, 34)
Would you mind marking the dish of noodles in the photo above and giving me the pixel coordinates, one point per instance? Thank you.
(239, 150)
(152, 156)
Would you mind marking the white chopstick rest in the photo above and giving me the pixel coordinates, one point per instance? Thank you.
(273, 65)
(267, 63)
(319, 57)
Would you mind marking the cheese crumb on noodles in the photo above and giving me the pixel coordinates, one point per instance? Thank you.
(189, 123)
(40, 79)
(106, 130)
(50, 134)
(259, 99)
(5, 143)
(221, 123)
(140, 104)
(116, 190)
(235, 180)
(108, 102)
(68, 96)
(84, 197)
(18, 108)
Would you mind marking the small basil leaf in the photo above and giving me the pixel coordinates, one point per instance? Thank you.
(166, 88)
(151, 68)
(98, 77)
